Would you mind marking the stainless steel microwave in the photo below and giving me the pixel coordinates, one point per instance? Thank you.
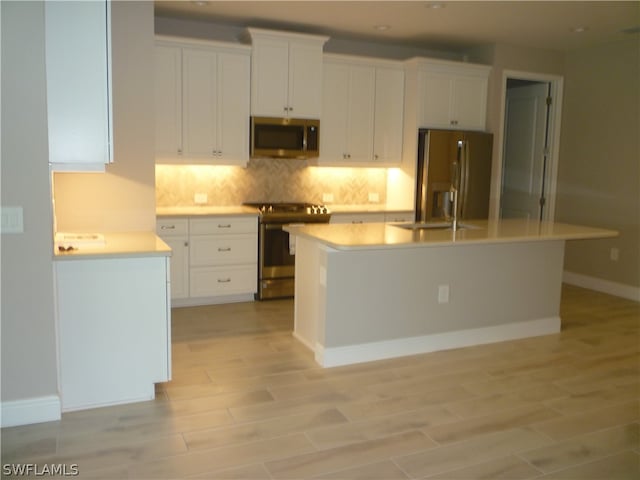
(285, 137)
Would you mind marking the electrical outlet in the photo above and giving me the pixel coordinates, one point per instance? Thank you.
(12, 220)
(200, 198)
(374, 197)
(614, 254)
(327, 197)
(443, 293)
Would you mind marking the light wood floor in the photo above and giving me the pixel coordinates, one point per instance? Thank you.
(247, 401)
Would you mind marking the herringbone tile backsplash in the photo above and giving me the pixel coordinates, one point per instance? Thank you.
(267, 179)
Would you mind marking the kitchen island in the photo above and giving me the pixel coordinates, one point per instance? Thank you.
(372, 291)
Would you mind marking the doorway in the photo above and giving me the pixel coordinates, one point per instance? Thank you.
(530, 135)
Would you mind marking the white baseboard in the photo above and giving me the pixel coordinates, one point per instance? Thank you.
(599, 285)
(31, 410)
(367, 352)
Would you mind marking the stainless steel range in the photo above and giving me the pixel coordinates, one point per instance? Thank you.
(276, 255)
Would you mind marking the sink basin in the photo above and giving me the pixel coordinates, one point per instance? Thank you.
(433, 226)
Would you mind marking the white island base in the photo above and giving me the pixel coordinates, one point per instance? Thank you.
(361, 305)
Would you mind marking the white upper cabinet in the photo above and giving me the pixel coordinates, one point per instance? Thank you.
(202, 103)
(452, 95)
(286, 74)
(78, 72)
(362, 112)
(389, 112)
(168, 100)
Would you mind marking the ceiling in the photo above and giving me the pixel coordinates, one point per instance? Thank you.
(455, 25)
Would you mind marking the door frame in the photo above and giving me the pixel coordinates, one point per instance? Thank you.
(555, 114)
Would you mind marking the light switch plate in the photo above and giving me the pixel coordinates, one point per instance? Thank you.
(12, 220)
(327, 197)
(374, 197)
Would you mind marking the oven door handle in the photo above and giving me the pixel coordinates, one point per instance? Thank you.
(273, 226)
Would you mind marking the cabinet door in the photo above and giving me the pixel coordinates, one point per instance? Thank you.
(199, 103)
(179, 266)
(168, 101)
(78, 84)
(435, 91)
(305, 80)
(269, 78)
(361, 113)
(389, 113)
(469, 102)
(335, 113)
(233, 107)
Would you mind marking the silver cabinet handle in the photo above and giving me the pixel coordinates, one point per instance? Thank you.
(224, 280)
(168, 227)
(179, 151)
(224, 249)
(228, 225)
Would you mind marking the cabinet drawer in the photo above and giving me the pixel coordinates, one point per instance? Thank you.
(223, 249)
(172, 226)
(223, 225)
(213, 281)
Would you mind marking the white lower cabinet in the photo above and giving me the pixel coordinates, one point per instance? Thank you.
(114, 329)
(215, 258)
(175, 233)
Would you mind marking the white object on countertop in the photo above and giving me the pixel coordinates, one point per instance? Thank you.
(63, 239)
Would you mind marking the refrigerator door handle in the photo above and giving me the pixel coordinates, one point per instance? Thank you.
(464, 178)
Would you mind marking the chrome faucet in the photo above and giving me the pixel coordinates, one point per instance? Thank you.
(453, 192)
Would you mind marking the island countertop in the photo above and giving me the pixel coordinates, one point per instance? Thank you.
(381, 235)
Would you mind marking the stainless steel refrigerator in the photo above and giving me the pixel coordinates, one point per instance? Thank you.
(458, 158)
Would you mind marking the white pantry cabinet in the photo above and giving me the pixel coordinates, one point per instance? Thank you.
(78, 72)
(114, 329)
(202, 102)
(175, 233)
(362, 112)
(286, 74)
(452, 95)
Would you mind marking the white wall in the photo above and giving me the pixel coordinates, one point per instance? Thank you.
(599, 171)
(28, 337)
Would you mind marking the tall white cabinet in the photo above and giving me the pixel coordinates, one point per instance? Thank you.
(202, 102)
(286, 74)
(362, 111)
(79, 96)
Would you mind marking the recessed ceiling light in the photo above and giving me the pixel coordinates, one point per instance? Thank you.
(382, 28)
(435, 5)
(579, 29)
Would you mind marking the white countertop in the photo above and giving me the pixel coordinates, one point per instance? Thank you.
(380, 235)
(193, 210)
(126, 244)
